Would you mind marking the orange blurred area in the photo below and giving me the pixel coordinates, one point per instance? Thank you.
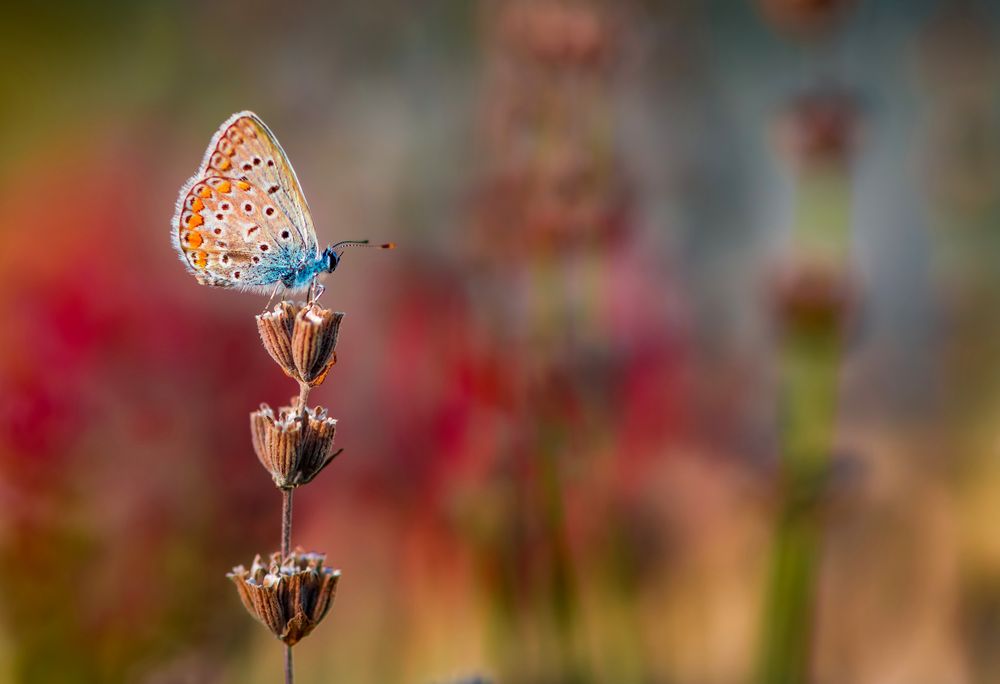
(682, 366)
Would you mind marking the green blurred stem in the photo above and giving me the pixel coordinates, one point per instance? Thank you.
(562, 589)
(810, 359)
(810, 370)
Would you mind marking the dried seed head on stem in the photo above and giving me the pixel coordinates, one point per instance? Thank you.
(290, 595)
(294, 443)
(302, 339)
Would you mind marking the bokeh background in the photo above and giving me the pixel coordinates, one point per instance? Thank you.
(684, 371)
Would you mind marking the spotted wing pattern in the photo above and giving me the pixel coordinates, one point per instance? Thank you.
(232, 235)
(242, 220)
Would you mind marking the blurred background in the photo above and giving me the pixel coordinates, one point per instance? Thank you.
(684, 371)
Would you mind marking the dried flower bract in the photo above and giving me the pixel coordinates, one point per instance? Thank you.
(293, 445)
(314, 339)
(290, 598)
(301, 339)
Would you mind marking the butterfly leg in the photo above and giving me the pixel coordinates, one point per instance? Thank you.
(320, 288)
(273, 294)
(315, 290)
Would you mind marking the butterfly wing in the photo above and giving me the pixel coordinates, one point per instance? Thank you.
(244, 147)
(230, 234)
(243, 221)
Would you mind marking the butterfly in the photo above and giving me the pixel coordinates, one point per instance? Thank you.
(242, 220)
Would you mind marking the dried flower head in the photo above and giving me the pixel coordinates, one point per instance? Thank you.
(302, 339)
(804, 17)
(819, 128)
(289, 598)
(558, 33)
(813, 297)
(314, 340)
(294, 445)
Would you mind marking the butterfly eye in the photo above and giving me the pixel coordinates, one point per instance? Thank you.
(256, 259)
(247, 167)
(225, 206)
(236, 275)
(270, 162)
(218, 231)
(264, 247)
(256, 161)
(248, 207)
(269, 211)
(220, 217)
(285, 234)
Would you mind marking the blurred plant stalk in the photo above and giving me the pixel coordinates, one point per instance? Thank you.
(548, 213)
(812, 298)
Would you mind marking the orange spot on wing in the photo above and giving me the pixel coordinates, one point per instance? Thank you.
(195, 220)
(242, 185)
(205, 192)
(201, 261)
(193, 239)
(197, 205)
(224, 186)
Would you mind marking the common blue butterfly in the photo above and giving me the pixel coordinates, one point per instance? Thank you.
(242, 220)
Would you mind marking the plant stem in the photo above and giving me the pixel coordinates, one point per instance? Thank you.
(810, 362)
(286, 523)
(303, 397)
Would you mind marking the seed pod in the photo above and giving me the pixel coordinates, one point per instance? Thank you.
(289, 598)
(302, 339)
(293, 445)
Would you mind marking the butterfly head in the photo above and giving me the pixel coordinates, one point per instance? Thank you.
(330, 260)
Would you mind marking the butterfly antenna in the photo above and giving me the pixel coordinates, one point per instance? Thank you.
(363, 243)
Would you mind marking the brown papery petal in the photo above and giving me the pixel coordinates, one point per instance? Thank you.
(317, 446)
(314, 340)
(275, 328)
